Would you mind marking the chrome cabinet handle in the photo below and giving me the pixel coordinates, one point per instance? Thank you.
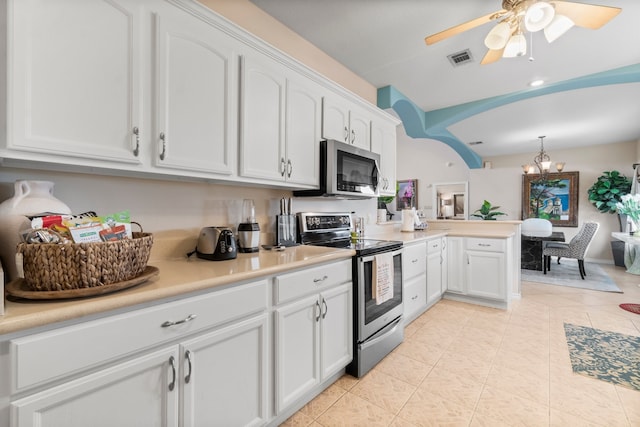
(485, 245)
(172, 363)
(136, 132)
(346, 134)
(283, 169)
(321, 279)
(415, 297)
(414, 260)
(326, 308)
(319, 311)
(353, 136)
(189, 318)
(163, 138)
(187, 355)
(289, 168)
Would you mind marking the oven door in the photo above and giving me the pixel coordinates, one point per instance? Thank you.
(372, 317)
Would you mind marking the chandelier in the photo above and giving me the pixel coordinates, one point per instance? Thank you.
(542, 162)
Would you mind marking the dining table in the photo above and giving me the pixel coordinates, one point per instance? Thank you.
(531, 248)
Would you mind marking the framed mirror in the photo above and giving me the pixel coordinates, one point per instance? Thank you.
(450, 200)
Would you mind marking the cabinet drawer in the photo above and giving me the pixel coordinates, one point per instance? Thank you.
(484, 244)
(415, 295)
(414, 260)
(49, 355)
(434, 246)
(300, 283)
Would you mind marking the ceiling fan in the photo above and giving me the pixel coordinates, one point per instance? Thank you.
(507, 40)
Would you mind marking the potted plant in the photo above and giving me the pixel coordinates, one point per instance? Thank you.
(605, 194)
(383, 201)
(487, 212)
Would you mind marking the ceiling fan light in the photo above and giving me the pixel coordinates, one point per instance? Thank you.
(516, 46)
(538, 16)
(560, 25)
(498, 36)
(546, 165)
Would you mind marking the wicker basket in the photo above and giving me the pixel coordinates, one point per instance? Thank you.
(57, 267)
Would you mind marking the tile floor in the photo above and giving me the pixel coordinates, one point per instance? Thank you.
(466, 365)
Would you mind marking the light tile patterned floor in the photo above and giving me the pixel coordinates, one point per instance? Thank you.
(466, 365)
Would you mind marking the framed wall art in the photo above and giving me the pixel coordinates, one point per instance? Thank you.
(407, 196)
(554, 198)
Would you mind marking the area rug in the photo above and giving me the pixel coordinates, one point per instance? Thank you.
(607, 356)
(567, 274)
(633, 308)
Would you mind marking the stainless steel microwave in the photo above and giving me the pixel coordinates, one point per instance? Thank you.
(346, 172)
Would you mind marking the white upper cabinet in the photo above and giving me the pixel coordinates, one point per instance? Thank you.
(262, 110)
(345, 122)
(280, 123)
(383, 142)
(196, 69)
(74, 72)
(303, 126)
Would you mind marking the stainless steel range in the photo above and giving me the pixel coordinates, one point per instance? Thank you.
(377, 322)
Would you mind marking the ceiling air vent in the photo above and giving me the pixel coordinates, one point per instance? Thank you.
(460, 58)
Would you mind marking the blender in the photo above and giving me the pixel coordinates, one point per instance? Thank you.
(248, 229)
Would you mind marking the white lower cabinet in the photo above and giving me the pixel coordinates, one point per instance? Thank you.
(414, 277)
(455, 271)
(478, 271)
(217, 379)
(435, 259)
(486, 273)
(133, 393)
(313, 329)
(202, 360)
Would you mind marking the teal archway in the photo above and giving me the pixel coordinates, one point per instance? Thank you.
(433, 124)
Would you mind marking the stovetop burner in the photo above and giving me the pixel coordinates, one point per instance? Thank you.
(334, 230)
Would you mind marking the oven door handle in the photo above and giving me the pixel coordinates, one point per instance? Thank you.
(372, 257)
(382, 333)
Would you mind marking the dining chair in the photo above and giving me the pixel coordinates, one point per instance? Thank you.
(576, 248)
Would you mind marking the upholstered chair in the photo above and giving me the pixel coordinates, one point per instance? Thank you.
(576, 248)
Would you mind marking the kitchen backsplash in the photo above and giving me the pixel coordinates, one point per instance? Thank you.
(170, 207)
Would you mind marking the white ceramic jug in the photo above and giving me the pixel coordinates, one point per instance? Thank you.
(30, 198)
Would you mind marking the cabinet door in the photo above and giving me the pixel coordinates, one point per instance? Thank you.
(262, 150)
(196, 69)
(336, 330)
(133, 393)
(415, 297)
(75, 78)
(304, 119)
(455, 264)
(383, 142)
(434, 276)
(360, 129)
(224, 376)
(335, 119)
(445, 264)
(485, 274)
(297, 349)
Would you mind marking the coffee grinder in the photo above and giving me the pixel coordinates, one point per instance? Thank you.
(248, 229)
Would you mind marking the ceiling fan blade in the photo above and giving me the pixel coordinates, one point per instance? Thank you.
(586, 15)
(463, 27)
(492, 56)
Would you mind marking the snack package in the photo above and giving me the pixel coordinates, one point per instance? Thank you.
(100, 228)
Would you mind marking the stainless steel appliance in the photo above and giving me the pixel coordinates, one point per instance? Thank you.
(345, 172)
(378, 328)
(248, 229)
(216, 244)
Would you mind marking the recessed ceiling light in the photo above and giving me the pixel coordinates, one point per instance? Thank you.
(536, 83)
